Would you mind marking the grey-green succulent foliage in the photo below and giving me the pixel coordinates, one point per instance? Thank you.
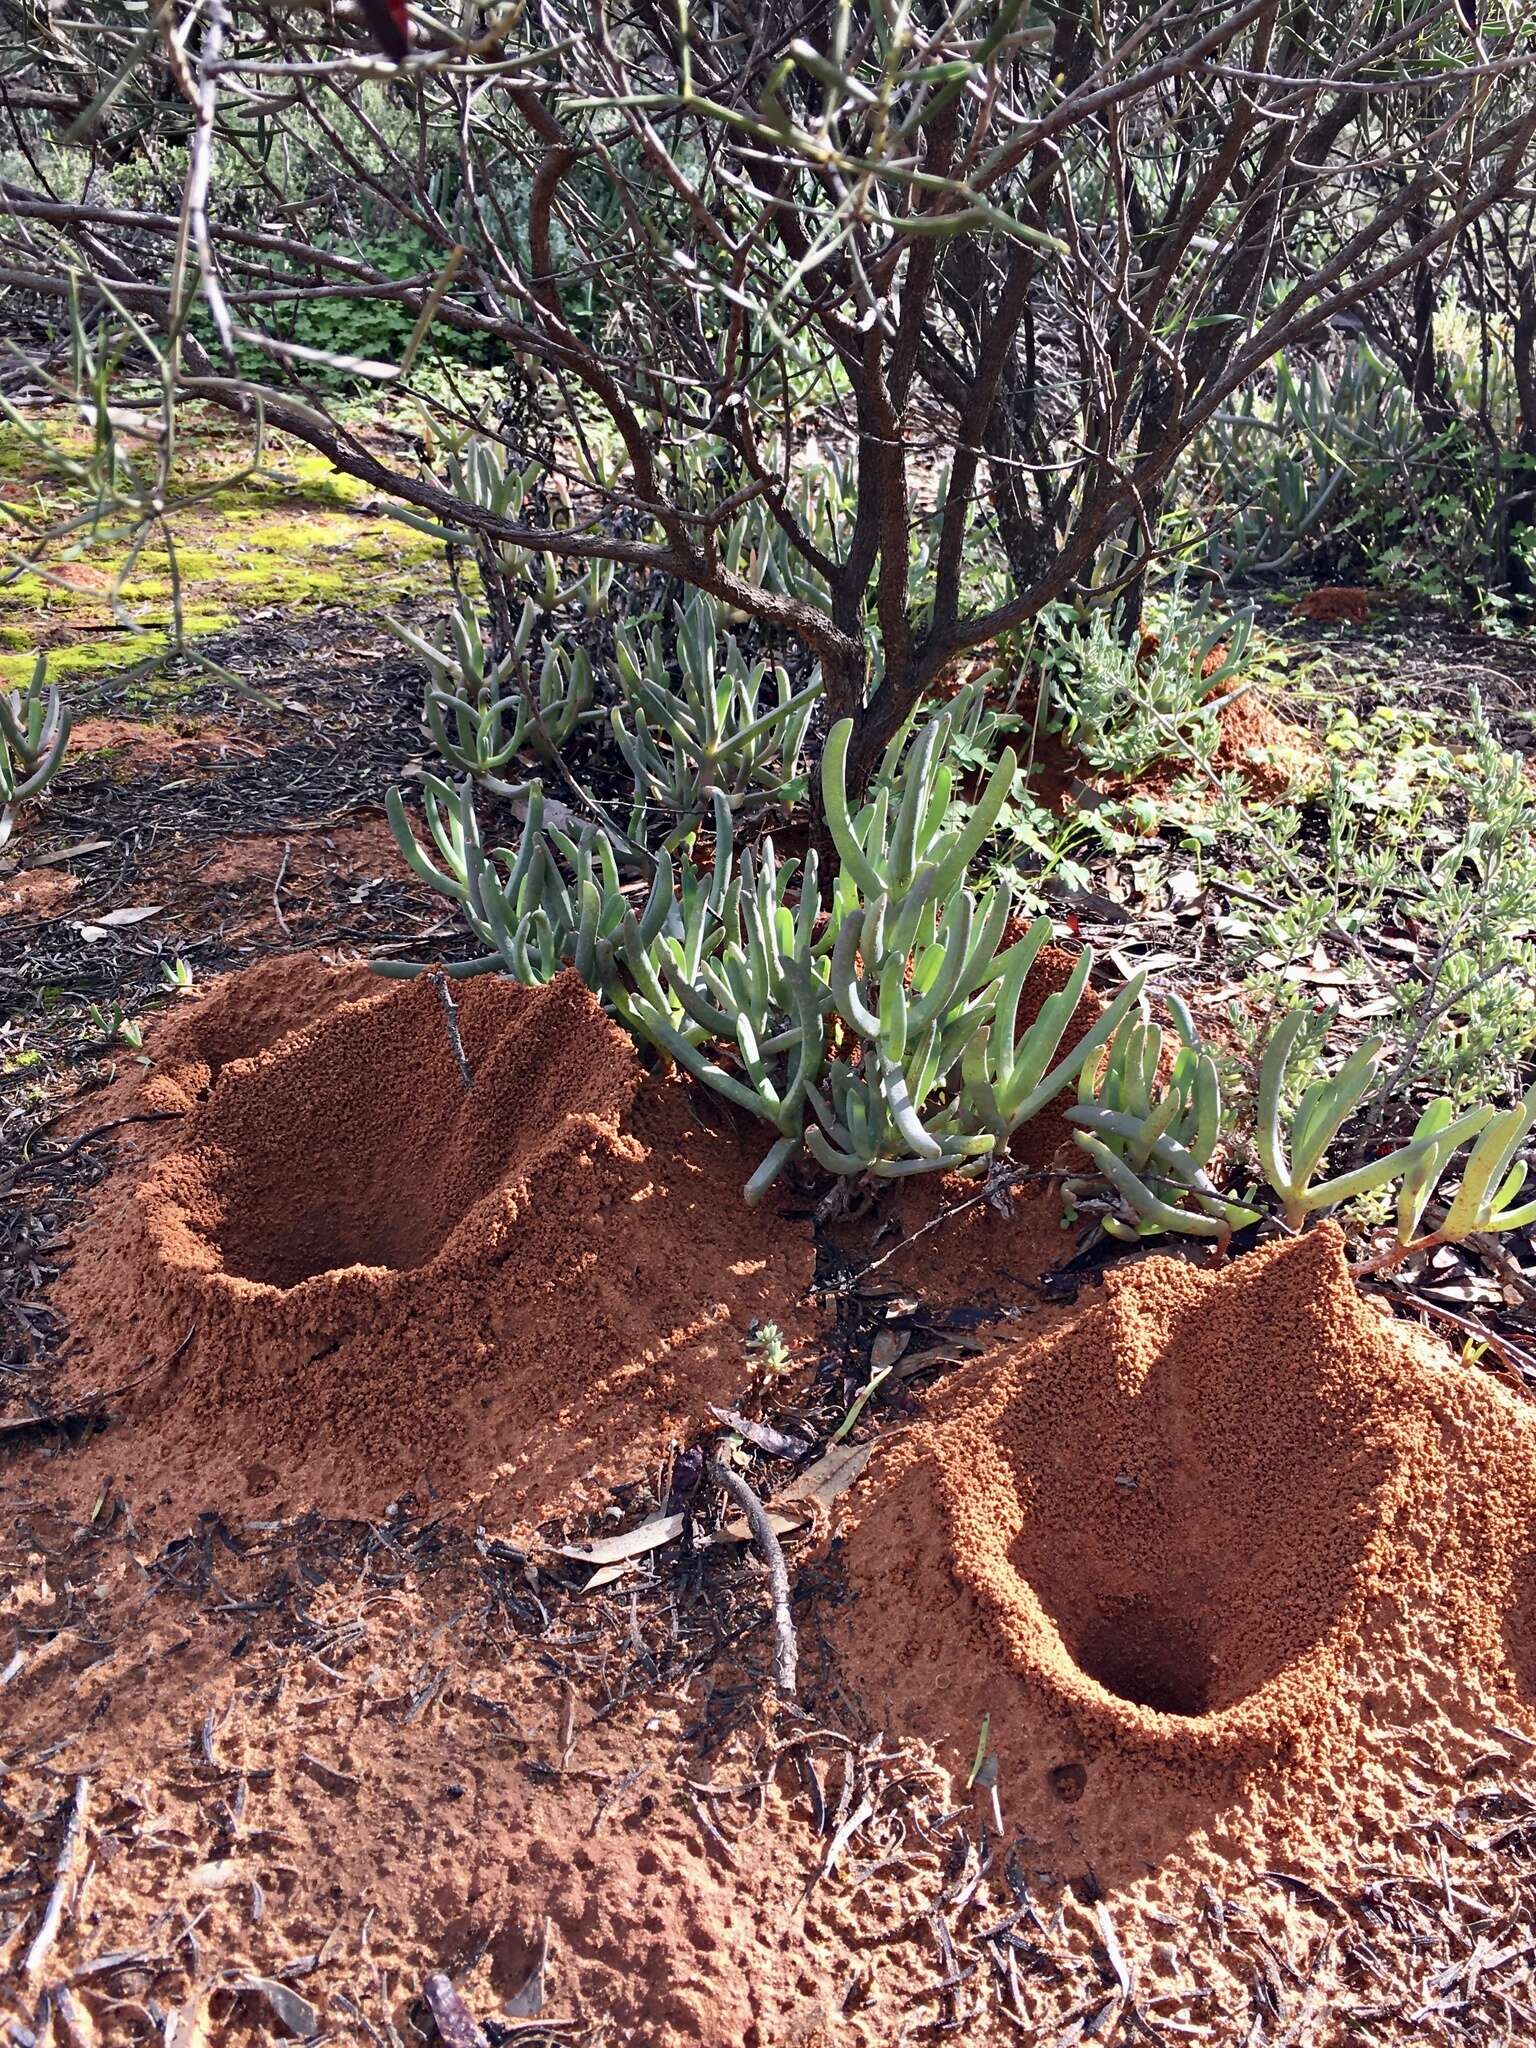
(1292, 1149)
(485, 714)
(719, 729)
(1152, 1137)
(873, 1018)
(34, 732)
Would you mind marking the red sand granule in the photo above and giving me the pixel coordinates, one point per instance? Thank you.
(385, 1282)
(1177, 1531)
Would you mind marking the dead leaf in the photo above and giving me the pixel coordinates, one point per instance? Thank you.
(114, 920)
(457, 2026)
(633, 1543)
(737, 1531)
(291, 2011)
(773, 1441)
(75, 852)
(606, 1577)
(528, 2003)
(1112, 1949)
(829, 1476)
(889, 1345)
(185, 2027)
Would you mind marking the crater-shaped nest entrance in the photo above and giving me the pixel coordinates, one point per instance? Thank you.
(1143, 1653)
(1162, 1522)
(361, 1145)
(371, 1275)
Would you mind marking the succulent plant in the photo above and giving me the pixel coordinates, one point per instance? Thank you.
(533, 919)
(1326, 1106)
(485, 713)
(34, 732)
(477, 472)
(709, 732)
(1491, 1180)
(737, 975)
(880, 1031)
(1151, 1142)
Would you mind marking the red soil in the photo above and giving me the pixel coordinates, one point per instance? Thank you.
(365, 846)
(385, 1282)
(350, 1771)
(1336, 604)
(138, 748)
(267, 886)
(36, 892)
(1223, 1561)
(1256, 743)
(1238, 1574)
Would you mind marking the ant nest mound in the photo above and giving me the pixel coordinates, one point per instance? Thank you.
(353, 1154)
(355, 1272)
(1166, 1531)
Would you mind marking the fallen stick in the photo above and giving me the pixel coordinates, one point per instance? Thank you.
(63, 1879)
(785, 1655)
(451, 1020)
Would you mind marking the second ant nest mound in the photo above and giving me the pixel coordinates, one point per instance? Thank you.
(368, 1277)
(1192, 1526)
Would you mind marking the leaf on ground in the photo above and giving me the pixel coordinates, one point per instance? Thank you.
(75, 852)
(633, 1543)
(114, 920)
(829, 1476)
(186, 2027)
(528, 2003)
(1112, 1949)
(773, 1441)
(889, 1345)
(738, 1531)
(291, 2011)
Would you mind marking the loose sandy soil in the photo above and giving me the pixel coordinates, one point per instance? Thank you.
(1229, 1577)
(1167, 1660)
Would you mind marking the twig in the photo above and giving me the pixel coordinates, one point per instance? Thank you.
(1519, 1361)
(451, 1019)
(63, 1880)
(785, 1655)
(1001, 1184)
(43, 1162)
(277, 908)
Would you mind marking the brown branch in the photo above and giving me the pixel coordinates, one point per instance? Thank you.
(785, 1654)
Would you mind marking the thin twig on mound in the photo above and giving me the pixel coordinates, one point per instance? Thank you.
(785, 1654)
(451, 1020)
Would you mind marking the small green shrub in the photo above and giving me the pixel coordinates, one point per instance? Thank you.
(1126, 706)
